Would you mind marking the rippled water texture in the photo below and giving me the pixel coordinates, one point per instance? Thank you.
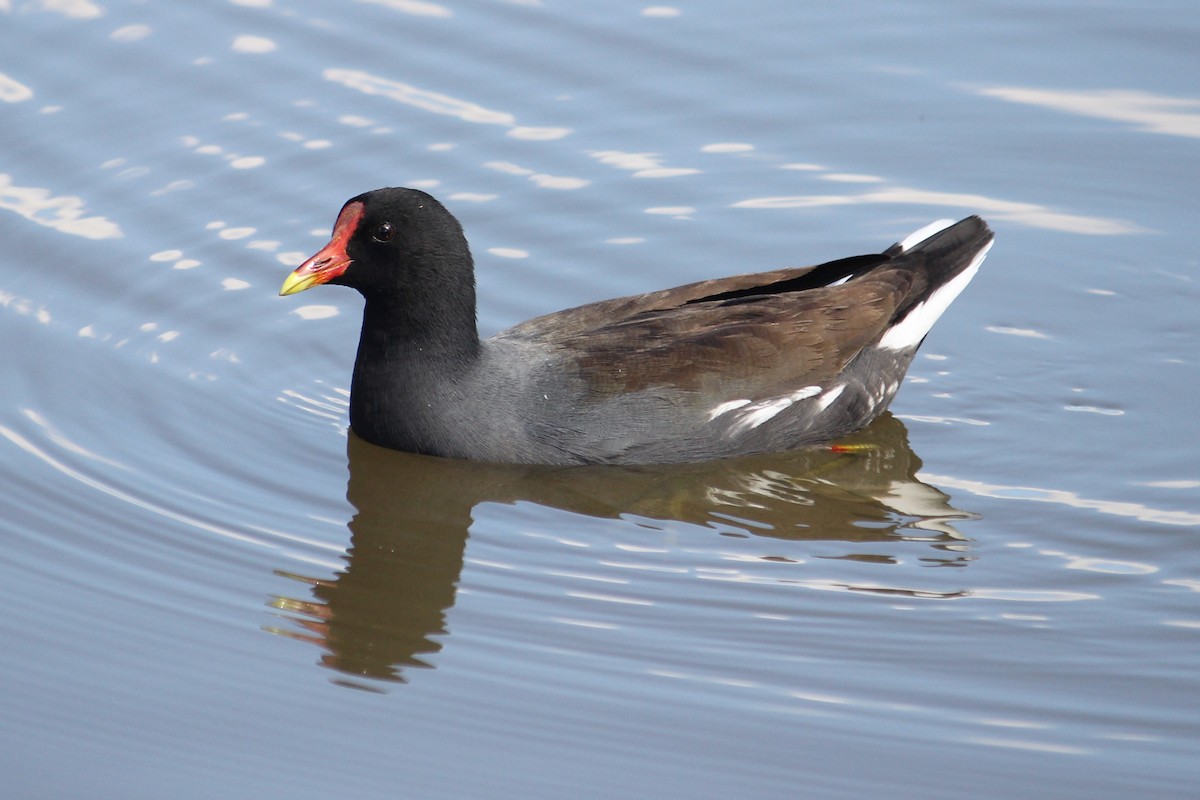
(214, 591)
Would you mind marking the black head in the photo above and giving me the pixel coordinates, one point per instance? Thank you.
(395, 246)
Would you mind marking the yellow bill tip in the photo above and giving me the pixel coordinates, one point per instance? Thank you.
(298, 282)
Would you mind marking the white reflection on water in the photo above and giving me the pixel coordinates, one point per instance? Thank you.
(253, 44)
(1031, 214)
(642, 165)
(1182, 484)
(316, 312)
(75, 9)
(471, 197)
(331, 405)
(539, 179)
(851, 177)
(131, 33)
(1155, 113)
(24, 306)
(1065, 498)
(1028, 333)
(678, 212)
(1110, 566)
(235, 160)
(890, 590)
(419, 8)
(177, 257)
(1028, 744)
(12, 91)
(727, 147)
(64, 213)
(60, 439)
(439, 103)
(508, 252)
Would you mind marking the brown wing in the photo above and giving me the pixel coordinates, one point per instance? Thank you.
(593, 316)
(760, 333)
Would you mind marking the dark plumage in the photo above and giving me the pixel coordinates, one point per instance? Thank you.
(725, 367)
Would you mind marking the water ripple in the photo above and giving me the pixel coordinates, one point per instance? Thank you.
(1070, 499)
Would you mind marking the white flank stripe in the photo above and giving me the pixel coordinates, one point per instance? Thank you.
(912, 329)
(726, 407)
(916, 237)
(830, 396)
(759, 413)
(805, 393)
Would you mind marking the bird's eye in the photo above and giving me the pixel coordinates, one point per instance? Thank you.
(384, 232)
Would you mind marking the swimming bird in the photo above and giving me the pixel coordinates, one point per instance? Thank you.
(726, 367)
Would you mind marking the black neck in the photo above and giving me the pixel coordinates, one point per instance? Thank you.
(409, 365)
(435, 327)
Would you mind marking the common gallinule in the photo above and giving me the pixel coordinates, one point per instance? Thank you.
(725, 367)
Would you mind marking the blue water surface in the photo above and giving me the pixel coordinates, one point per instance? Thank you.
(214, 591)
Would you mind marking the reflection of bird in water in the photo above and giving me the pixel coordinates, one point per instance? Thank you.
(387, 610)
